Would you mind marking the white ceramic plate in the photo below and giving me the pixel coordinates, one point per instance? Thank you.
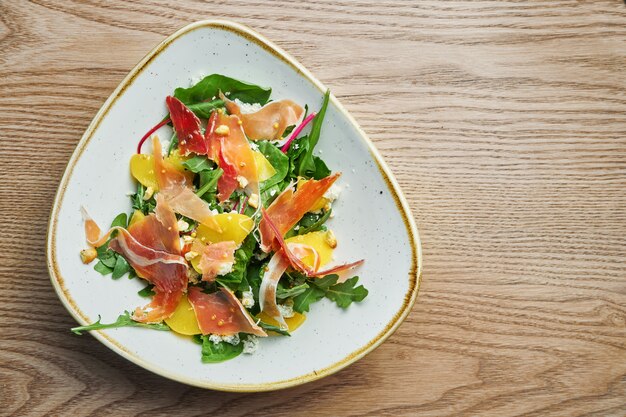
(372, 219)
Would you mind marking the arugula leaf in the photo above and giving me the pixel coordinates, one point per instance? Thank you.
(219, 352)
(173, 144)
(139, 203)
(313, 222)
(279, 161)
(275, 329)
(198, 163)
(302, 302)
(124, 320)
(102, 268)
(326, 282)
(345, 293)
(120, 268)
(208, 182)
(282, 292)
(146, 291)
(211, 85)
(242, 258)
(204, 109)
(306, 166)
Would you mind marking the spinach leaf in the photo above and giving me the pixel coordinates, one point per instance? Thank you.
(208, 183)
(302, 302)
(321, 170)
(121, 220)
(124, 320)
(204, 109)
(282, 292)
(198, 163)
(279, 161)
(102, 268)
(147, 291)
(210, 86)
(345, 293)
(120, 268)
(275, 329)
(219, 352)
(242, 258)
(306, 163)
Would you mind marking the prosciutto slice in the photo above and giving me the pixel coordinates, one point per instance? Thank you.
(176, 190)
(230, 149)
(296, 260)
(152, 247)
(217, 259)
(187, 127)
(267, 292)
(270, 122)
(289, 207)
(221, 313)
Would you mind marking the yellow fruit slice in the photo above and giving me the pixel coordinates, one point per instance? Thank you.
(137, 216)
(142, 168)
(234, 227)
(318, 241)
(292, 322)
(184, 320)
(265, 170)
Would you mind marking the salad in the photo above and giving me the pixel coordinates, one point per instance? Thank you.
(228, 222)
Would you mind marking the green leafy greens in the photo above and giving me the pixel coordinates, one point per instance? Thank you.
(343, 294)
(124, 320)
(211, 85)
(219, 352)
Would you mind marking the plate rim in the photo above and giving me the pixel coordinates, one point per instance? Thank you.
(415, 273)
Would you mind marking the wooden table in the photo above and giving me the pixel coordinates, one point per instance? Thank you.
(505, 124)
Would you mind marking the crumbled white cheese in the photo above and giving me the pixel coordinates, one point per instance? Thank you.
(225, 268)
(247, 299)
(273, 192)
(242, 181)
(250, 344)
(286, 309)
(182, 225)
(332, 193)
(231, 339)
(254, 146)
(246, 107)
(193, 276)
(187, 239)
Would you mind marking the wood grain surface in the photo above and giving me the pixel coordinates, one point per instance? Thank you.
(505, 124)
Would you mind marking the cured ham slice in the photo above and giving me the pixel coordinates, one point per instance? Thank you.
(296, 260)
(217, 259)
(230, 149)
(187, 127)
(289, 207)
(221, 313)
(270, 122)
(152, 247)
(174, 186)
(267, 292)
